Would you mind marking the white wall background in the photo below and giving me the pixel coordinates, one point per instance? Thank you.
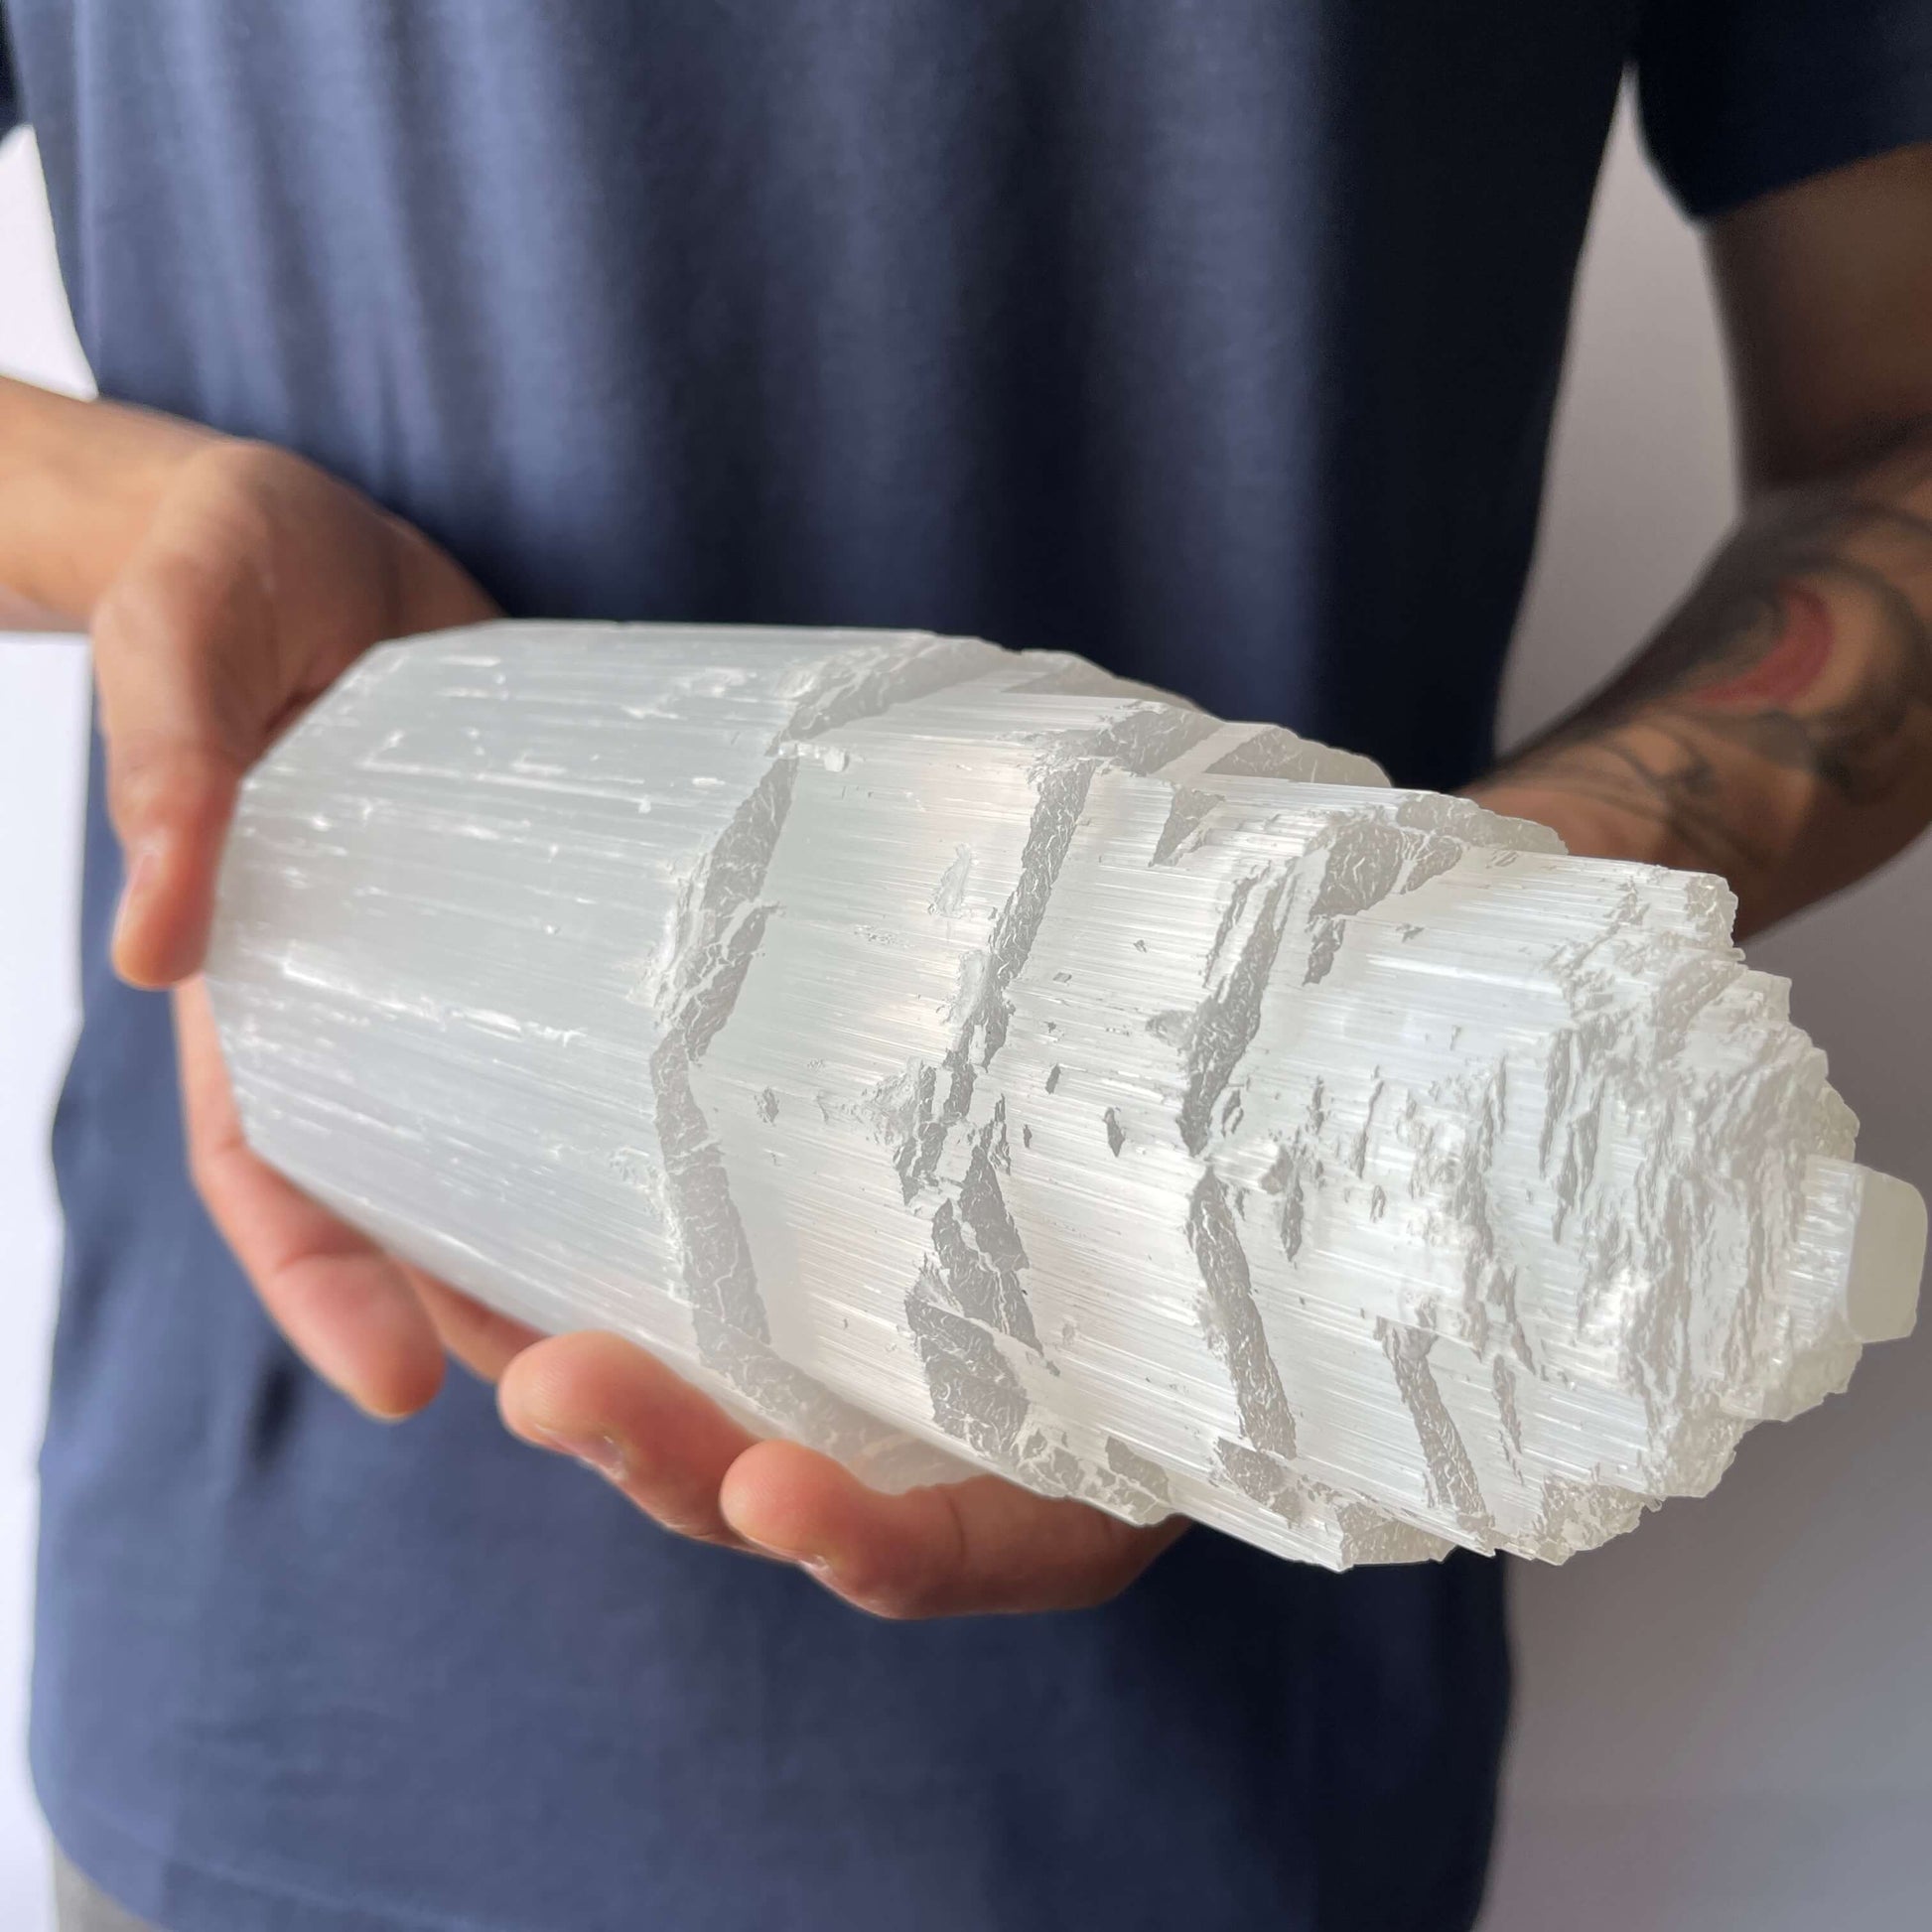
(43, 739)
(1725, 1721)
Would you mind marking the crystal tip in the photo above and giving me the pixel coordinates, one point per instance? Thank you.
(1887, 1259)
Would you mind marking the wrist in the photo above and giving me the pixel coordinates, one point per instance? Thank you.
(1590, 827)
(1749, 847)
(79, 483)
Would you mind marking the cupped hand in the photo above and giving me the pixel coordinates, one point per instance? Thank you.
(951, 1549)
(256, 583)
(373, 1326)
(252, 582)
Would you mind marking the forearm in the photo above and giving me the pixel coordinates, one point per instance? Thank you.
(1778, 727)
(79, 484)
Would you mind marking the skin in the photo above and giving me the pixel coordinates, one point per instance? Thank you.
(1776, 729)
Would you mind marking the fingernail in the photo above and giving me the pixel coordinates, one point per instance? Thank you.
(809, 1561)
(600, 1452)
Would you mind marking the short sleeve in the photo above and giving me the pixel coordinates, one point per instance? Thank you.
(9, 92)
(1741, 97)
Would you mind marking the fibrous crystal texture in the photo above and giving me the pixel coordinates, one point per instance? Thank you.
(952, 1058)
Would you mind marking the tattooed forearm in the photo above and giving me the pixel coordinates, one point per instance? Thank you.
(1778, 729)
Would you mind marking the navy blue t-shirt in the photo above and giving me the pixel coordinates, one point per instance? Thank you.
(1215, 339)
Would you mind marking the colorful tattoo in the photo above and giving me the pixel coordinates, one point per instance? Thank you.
(1806, 645)
(1789, 668)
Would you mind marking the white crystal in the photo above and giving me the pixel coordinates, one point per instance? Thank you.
(953, 1058)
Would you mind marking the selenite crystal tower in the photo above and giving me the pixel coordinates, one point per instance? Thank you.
(948, 1057)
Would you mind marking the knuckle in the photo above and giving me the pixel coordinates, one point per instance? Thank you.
(243, 471)
(157, 783)
(251, 498)
(133, 792)
(140, 609)
(235, 500)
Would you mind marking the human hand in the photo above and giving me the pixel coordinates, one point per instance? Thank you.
(256, 582)
(980, 1545)
(245, 583)
(1590, 828)
(953, 1549)
(233, 585)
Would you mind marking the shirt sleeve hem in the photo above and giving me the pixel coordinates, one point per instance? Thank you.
(1786, 140)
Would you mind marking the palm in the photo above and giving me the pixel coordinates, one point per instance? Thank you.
(376, 1328)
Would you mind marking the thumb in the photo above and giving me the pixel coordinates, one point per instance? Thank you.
(258, 583)
(174, 796)
(179, 729)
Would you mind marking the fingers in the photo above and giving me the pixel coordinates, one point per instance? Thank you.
(258, 581)
(348, 1309)
(172, 852)
(376, 1330)
(170, 661)
(77, 487)
(484, 1341)
(957, 1549)
(606, 1402)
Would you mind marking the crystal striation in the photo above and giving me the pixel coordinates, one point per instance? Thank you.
(957, 1058)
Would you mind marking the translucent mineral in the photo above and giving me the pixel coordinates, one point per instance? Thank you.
(953, 1058)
